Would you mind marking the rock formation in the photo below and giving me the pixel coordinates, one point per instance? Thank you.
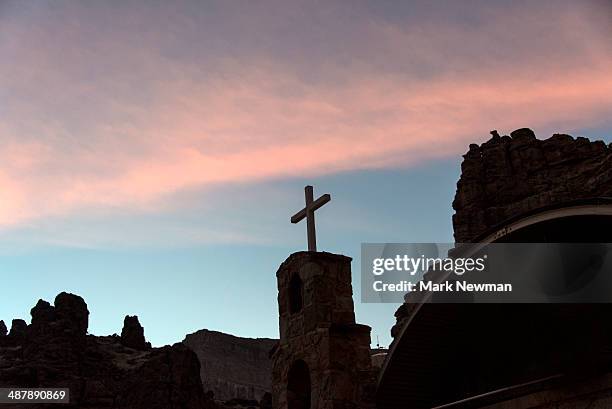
(510, 175)
(3, 330)
(132, 334)
(18, 329)
(55, 350)
(505, 178)
(233, 367)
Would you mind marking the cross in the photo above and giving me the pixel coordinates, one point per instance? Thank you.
(308, 213)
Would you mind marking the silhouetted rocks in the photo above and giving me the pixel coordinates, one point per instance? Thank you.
(132, 334)
(42, 312)
(3, 330)
(71, 310)
(56, 341)
(18, 329)
(508, 176)
(101, 372)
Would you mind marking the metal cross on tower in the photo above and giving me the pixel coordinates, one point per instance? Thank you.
(308, 213)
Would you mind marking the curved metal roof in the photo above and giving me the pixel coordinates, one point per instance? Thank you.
(583, 207)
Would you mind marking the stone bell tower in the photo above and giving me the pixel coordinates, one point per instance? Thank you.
(323, 358)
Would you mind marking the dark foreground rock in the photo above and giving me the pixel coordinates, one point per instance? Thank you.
(18, 329)
(101, 372)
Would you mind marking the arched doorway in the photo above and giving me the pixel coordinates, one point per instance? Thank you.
(298, 386)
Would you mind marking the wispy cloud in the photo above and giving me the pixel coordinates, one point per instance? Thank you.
(126, 119)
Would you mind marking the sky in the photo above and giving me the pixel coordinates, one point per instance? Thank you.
(153, 152)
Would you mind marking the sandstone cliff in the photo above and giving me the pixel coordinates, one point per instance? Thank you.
(510, 175)
(233, 367)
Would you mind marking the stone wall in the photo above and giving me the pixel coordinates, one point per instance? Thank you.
(510, 175)
(233, 367)
(321, 336)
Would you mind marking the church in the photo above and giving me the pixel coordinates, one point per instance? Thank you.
(512, 189)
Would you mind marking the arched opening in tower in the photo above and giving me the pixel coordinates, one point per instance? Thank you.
(296, 294)
(298, 386)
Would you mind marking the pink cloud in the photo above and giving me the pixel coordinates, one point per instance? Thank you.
(259, 119)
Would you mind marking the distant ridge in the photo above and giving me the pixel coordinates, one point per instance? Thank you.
(231, 366)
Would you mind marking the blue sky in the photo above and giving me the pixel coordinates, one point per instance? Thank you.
(179, 288)
(153, 152)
